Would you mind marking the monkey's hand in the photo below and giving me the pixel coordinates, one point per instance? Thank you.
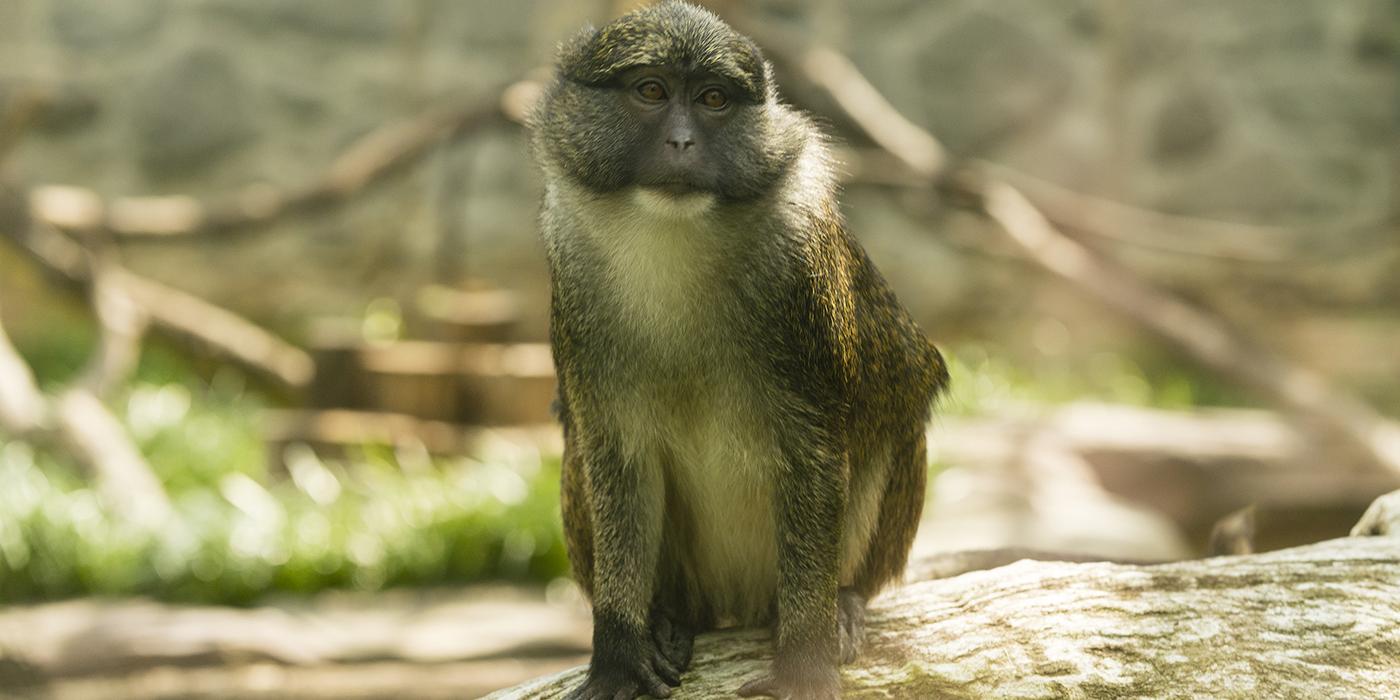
(811, 684)
(627, 665)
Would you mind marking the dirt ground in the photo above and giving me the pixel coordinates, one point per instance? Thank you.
(421, 644)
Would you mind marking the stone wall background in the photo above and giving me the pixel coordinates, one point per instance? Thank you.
(1250, 110)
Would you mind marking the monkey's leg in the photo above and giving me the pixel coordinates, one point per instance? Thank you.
(626, 510)
(578, 523)
(900, 509)
(810, 507)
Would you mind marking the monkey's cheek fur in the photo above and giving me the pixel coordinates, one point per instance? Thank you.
(672, 205)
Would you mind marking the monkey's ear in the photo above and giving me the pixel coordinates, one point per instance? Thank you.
(758, 68)
(577, 60)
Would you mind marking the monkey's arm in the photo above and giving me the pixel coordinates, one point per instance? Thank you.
(810, 505)
(625, 499)
(809, 496)
(615, 501)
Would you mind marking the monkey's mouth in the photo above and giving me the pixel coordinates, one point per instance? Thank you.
(674, 188)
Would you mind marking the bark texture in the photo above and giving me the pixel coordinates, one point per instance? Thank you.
(1320, 621)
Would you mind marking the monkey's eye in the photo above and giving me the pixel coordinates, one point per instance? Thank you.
(652, 90)
(714, 98)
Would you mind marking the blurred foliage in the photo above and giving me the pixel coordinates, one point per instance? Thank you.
(379, 517)
(327, 527)
(983, 382)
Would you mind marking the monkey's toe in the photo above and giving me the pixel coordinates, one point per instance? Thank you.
(850, 623)
(648, 672)
(811, 689)
(674, 640)
(620, 687)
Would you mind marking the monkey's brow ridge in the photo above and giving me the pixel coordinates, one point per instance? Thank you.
(696, 40)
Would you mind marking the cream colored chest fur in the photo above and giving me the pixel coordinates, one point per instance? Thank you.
(691, 415)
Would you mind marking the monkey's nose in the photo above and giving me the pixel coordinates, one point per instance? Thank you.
(680, 140)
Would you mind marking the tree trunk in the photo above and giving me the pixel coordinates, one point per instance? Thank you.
(1320, 621)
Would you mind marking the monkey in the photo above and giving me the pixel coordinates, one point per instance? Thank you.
(744, 401)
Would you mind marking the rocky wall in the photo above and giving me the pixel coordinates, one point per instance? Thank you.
(1252, 110)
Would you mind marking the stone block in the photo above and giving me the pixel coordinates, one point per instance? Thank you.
(982, 75)
(1188, 125)
(98, 24)
(189, 111)
(343, 20)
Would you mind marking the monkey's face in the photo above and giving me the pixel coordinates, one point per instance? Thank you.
(669, 100)
(684, 130)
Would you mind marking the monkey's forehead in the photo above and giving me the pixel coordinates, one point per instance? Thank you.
(670, 34)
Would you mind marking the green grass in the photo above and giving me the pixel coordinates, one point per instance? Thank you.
(368, 521)
(983, 382)
(365, 528)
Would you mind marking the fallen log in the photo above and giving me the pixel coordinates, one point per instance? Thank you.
(1190, 466)
(1319, 621)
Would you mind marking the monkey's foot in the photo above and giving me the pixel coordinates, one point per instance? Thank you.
(850, 623)
(816, 685)
(674, 639)
(627, 665)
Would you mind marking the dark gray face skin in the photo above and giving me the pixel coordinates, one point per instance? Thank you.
(682, 119)
(667, 127)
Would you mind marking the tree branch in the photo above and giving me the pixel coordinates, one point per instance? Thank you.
(922, 157)
(1317, 621)
(77, 420)
(1209, 339)
(99, 441)
(369, 160)
(177, 313)
(22, 408)
(123, 323)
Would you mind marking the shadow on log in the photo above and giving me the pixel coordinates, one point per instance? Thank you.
(1319, 621)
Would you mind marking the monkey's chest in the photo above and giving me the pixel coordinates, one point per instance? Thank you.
(693, 406)
(718, 463)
